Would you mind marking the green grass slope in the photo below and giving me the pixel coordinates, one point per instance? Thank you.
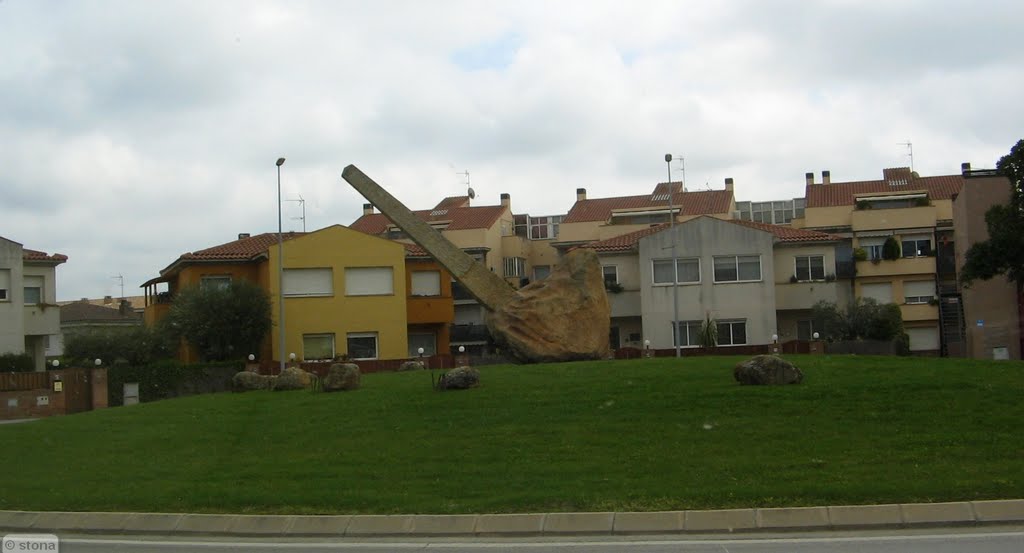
(609, 435)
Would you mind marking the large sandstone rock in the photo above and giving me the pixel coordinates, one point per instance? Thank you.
(565, 317)
(342, 377)
(767, 369)
(459, 378)
(246, 381)
(293, 378)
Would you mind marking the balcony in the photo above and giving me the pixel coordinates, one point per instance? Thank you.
(901, 266)
(803, 295)
(885, 219)
(432, 309)
(469, 333)
(42, 319)
(460, 294)
(920, 312)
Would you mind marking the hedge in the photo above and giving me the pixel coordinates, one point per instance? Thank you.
(167, 379)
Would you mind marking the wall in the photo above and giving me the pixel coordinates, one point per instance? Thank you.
(990, 307)
(12, 319)
(339, 247)
(706, 237)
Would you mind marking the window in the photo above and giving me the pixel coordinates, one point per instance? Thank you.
(541, 272)
(425, 340)
(545, 227)
(308, 282)
(879, 291)
(918, 291)
(810, 267)
(611, 273)
(687, 271)
(317, 347)
(737, 268)
(33, 289)
(362, 345)
(5, 284)
(426, 283)
(732, 333)
(689, 332)
(916, 246)
(873, 246)
(369, 281)
(805, 329)
(515, 267)
(214, 282)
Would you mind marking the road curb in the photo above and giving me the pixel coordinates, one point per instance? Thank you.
(907, 515)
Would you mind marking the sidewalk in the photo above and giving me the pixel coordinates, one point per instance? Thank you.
(909, 515)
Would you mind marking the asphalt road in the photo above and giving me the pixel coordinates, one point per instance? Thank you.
(975, 540)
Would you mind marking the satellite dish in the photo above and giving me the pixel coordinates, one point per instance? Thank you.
(471, 193)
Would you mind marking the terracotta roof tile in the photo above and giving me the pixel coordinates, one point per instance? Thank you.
(80, 311)
(453, 201)
(788, 234)
(415, 250)
(33, 255)
(700, 202)
(461, 218)
(626, 242)
(241, 249)
(897, 179)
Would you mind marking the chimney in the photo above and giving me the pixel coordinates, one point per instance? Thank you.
(728, 184)
(367, 209)
(506, 199)
(107, 300)
(965, 168)
(243, 235)
(809, 177)
(125, 307)
(581, 194)
(826, 177)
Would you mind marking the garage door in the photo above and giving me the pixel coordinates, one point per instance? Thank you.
(923, 339)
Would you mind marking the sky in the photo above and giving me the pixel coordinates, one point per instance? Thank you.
(133, 132)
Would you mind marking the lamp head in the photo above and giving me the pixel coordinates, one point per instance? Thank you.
(280, 161)
(668, 158)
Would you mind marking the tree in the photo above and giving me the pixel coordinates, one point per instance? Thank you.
(137, 345)
(1003, 252)
(221, 322)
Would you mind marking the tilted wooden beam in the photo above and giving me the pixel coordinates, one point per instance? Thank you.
(488, 288)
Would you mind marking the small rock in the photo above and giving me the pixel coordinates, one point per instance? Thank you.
(767, 369)
(293, 378)
(459, 378)
(343, 377)
(412, 366)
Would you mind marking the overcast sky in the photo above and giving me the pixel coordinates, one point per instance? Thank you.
(135, 131)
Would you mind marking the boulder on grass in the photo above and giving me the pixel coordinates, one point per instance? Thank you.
(293, 378)
(246, 381)
(459, 378)
(342, 377)
(412, 366)
(768, 370)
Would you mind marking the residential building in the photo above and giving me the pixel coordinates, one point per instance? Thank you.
(992, 308)
(29, 316)
(84, 316)
(755, 280)
(345, 293)
(914, 215)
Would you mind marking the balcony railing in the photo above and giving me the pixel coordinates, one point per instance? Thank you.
(469, 333)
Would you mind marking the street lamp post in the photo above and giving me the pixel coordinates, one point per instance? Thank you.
(280, 270)
(675, 263)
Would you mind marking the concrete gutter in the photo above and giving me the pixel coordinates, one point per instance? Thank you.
(910, 515)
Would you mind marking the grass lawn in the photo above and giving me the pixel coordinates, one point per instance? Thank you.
(655, 434)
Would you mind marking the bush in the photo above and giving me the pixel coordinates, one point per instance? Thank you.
(16, 363)
(863, 319)
(169, 378)
(860, 254)
(891, 249)
(137, 345)
(222, 323)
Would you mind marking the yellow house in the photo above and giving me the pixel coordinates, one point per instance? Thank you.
(345, 293)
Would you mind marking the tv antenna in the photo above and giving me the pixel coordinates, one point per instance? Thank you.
(910, 152)
(120, 278)
(682, 171)
(302, 202)
(469, 189)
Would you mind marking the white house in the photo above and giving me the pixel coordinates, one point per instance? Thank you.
(29, 315)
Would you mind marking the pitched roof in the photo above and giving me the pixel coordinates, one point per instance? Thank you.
(628, 242)
(80, 311)
(241, 249)
(788, 234)
(897, 179)
(700, 202)
(33, 255)
(459, 218)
